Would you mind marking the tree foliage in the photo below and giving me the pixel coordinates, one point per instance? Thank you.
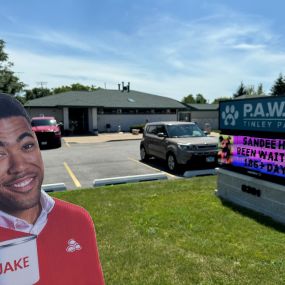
(37, 93)
(217, 100)
(21, 98)
(189, 99)
(250, 91)
(42, 92)
(74, 87)
(241, 91)
(198, 99)
(9, 83)
(278, 87)
(260, 91)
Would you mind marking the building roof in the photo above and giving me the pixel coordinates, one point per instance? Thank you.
(203, 107)
(106, 98)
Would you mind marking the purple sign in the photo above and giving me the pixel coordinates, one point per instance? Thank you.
(259, 154)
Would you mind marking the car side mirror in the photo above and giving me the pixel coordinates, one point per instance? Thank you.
(162, 135)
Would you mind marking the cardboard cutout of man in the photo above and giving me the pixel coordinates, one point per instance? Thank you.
(66, 242)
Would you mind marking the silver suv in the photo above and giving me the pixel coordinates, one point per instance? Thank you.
(179, 143)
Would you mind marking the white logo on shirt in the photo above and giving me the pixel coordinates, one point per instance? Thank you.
(73, 246)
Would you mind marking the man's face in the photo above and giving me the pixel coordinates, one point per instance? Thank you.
(21, 166)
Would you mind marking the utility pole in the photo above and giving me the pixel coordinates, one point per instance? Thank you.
(42, 83)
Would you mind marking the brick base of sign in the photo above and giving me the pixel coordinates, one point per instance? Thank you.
(253, 193)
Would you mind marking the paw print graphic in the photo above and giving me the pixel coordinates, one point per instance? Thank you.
(230, 115)
(73, 246)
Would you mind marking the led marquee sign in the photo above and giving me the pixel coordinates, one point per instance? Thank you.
(264, 156)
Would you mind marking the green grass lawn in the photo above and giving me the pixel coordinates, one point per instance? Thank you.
(179, 232)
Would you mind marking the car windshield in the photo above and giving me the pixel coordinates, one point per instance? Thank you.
(44, 122)
(184, 131)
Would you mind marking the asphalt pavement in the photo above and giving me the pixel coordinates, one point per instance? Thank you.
(81, 159)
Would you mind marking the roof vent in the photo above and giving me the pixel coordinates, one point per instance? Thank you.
(125, 88)
(131, 100)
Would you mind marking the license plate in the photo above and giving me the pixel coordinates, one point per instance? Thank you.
(210, 159)
(43, 143)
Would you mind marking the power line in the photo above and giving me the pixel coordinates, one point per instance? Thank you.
(42, 83)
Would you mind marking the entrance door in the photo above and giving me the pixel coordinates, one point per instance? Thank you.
(184, 116)
(78, 120)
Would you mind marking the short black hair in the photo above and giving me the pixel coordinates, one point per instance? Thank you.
(11, 107)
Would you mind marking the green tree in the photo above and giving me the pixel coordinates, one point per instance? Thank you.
(189, 99)
(279, 86)
(21, 98)
(37, 93)
(260, 91)
(9, 83)
(200, 99)
(217, 100)
(74, 87)
(250, 91)
(241, 91)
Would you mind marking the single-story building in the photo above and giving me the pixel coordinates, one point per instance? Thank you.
(105, 110)
(205, 115)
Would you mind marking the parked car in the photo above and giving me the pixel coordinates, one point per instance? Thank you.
(179, 144)
(47, 131)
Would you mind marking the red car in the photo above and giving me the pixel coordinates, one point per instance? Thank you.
(47, 131)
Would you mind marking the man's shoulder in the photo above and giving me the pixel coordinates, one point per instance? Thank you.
(66, 209)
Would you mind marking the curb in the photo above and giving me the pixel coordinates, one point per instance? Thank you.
(54, 187)
(120, 140)
(129, 179)
(202, 172)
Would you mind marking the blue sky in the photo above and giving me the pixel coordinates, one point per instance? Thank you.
(164, 47)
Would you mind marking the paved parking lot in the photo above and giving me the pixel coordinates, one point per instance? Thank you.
(78, 164)
(80, 160)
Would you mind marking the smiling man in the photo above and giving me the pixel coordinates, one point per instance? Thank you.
(66, 242)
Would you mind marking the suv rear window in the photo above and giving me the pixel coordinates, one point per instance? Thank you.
(155, 129)
(151, 130)
(44, 122)
(184, 131)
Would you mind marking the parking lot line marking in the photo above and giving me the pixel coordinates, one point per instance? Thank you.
(137, 161)
(67, 144)
(71, 174)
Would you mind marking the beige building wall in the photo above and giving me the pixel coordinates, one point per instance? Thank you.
(206, 117)
(126, 120)
(54, 112)
(99, 121)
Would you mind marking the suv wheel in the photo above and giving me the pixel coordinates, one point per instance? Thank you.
(144, 156)
(172, 163)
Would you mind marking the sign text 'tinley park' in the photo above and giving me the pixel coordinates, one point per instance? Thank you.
(263, 114)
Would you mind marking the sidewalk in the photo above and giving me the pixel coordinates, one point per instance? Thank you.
(104, 137)
(107, 137)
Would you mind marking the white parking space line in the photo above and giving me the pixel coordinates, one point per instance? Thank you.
(157, 170)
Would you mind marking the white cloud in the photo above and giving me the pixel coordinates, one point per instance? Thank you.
(245, 46)
(165, 56)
